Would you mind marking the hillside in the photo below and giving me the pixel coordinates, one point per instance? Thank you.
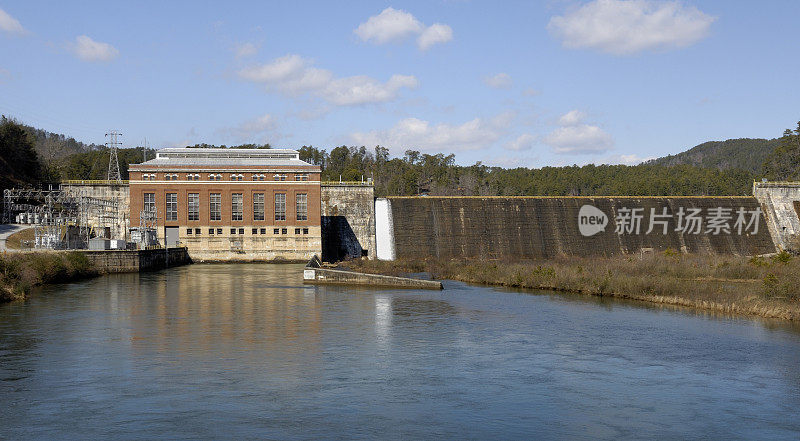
(744, 154)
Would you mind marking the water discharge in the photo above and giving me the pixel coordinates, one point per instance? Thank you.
(248, 352)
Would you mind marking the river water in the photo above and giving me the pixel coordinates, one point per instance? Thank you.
(247, 352)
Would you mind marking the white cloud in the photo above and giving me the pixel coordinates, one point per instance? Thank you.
(417, 134)
(579, 139)
(624, 27)
(571, 118)
(499, 81)
(396, 25)
(530, 92)
(575, 137)
(293, 74)
(435, 34)
(363, 89)
(523, 142)
(243, 50)
(89, 50)
(390, 25)
(10, 24)
(251, 129)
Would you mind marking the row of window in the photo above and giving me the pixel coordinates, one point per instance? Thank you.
(218, 176)
(237, 206)
(240, 231)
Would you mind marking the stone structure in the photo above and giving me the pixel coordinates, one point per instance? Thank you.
(545, 227)
(781, 204)
(314, 274)
(348, 221)
(122, 261)
(116, 191)
(231, 204)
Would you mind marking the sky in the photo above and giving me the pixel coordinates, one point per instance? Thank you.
(514, 84)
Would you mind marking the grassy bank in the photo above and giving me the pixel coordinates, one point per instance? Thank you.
(19, 272)
(768, 287)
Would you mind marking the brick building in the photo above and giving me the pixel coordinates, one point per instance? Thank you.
(231, 204)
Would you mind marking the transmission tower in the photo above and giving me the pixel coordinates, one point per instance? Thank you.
(113, 161)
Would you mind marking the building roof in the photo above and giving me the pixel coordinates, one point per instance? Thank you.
(224, 157)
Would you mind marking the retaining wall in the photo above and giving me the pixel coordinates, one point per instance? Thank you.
(781, 203)
(131, 261)
(545, 227)
(348, 221)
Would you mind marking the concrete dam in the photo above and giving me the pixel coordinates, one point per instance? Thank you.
(545, 227)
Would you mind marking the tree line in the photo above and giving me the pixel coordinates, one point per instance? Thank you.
(32, 156)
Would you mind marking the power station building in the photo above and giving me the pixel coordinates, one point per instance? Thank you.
(229, 204)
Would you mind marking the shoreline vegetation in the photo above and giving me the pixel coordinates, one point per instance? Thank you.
(762, 286)
(19, 272)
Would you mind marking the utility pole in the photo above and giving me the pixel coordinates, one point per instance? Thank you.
(144, 150)
(113, 161)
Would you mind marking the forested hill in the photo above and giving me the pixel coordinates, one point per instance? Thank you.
(744, 154)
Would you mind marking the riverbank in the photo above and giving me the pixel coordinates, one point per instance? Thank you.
(767, 287)
(19, 272)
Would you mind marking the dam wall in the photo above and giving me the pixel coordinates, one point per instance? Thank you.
(781, 204)
(546, 227)
(348, 221)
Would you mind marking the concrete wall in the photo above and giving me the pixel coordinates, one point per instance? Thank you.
(120, 193)
(544, 227)
(123, 261)
(248, 247)
(338, 277)
(780, 202)
(348, 221)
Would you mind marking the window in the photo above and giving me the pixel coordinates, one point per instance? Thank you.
(301, 177)
(235, 177)
(280, 206)
(197, 231)
(263, 231)
(305, 230)
(189, 231)
(215, 206)
(258, 206)
(302, 206)
(279, 177)
(283, 230)
(189, 177)
(172, 206)
(210, 231)
(167, 177)
(233, 230)
(219, 230)
(276, 231)
(241, 230)
(255, 231)
(236, 206)
(194, 206)
(296, 231)
(149, 202)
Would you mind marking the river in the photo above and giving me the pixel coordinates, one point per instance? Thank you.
(248, 352)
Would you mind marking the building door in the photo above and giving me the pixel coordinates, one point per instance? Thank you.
(171, 233)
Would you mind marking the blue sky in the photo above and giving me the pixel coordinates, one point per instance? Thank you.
(507, 83)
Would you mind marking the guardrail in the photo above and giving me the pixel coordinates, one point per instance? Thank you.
(94, 182)
(364, 183)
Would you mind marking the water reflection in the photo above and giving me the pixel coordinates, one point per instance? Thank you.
(247, 351)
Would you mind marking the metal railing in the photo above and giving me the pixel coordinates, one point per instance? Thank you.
(362, 183)
(93, 182)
